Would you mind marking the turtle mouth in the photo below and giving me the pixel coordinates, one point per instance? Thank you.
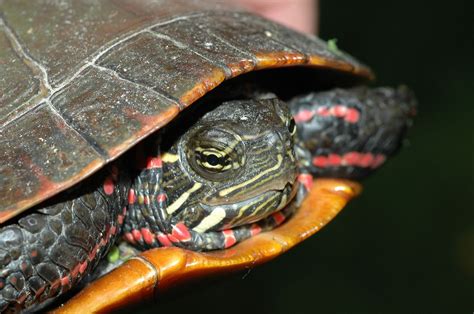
(249, 210)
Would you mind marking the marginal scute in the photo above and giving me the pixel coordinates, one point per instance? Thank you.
(165, 66)
(204, 43)
(248, 36)
(40, 151)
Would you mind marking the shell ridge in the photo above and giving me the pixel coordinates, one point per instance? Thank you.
(37, 69)
(114, 43)
(155, 91)
(44, 81)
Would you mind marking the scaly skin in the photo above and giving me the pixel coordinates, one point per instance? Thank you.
(51, 249)
(340, 133)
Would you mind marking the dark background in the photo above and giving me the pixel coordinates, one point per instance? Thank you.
(407, 244)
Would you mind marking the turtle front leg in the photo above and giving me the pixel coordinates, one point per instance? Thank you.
(50, 250)
(349, 133)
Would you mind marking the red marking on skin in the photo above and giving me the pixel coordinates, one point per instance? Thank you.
(334, 160)
(108, 186)
(22, 297)
(351, 158)
(355, 159)
(339, 111)
(181, 232)
(34, 253)
(163, 239)
(124, 211)
(129, 238)
(154, 162)
(83, 267)
(137, 235)
(65, 281)
(161, 197)
(75, 271)
(303, 116)
(94, 251)
(40, 292)
(323, 111)
(109, 233)
(54, 287)
(131, 196)
(147, 236)
(146, 199)
(229, 237)
(120, 219)
(102, 242)
(255, 229)
(172, 238)
(113, 230)
(352, 115)
(278, 217)
(366, 160)
(378, 161)
(306, 179)
(320, 161)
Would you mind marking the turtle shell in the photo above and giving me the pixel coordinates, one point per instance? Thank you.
(83, 81)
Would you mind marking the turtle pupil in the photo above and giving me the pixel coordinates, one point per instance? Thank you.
(212, 159)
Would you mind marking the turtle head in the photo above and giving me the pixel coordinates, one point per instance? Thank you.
(235, 166)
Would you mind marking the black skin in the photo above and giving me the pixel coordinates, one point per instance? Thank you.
(52, 247)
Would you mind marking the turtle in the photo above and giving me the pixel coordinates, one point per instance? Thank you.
(99, 141)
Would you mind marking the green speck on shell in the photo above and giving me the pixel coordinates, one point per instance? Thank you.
(113, 255)
(332, 45)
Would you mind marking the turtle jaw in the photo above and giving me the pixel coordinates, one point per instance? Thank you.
(247, 211)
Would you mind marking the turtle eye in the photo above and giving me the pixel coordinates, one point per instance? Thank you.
(292, 126)
(213, 160)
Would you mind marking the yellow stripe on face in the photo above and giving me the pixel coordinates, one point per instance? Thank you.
(170, 158)
(180, 201)
(261, 174)
(255, 213)
(210, 221)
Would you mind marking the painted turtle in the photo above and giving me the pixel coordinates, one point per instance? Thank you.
(83, 82)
